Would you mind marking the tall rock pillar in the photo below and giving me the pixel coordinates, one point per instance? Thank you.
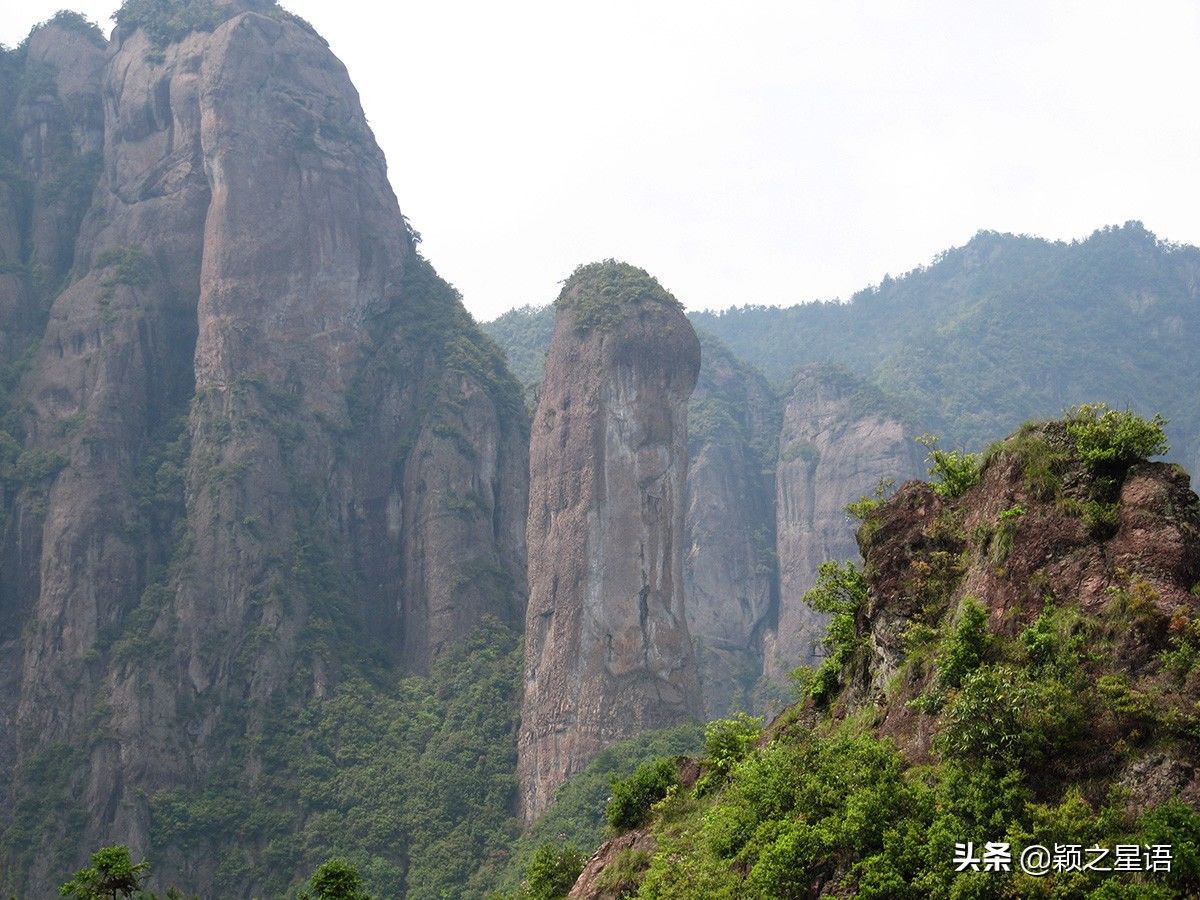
(607, 650)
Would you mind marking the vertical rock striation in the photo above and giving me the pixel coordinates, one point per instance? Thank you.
(729, 526)
(840, 437)
(607, 650)
(255, 439)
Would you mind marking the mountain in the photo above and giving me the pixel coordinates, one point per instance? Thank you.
(1004, 329)
(607, 649)
(1001, 330)
(1017, 662)
(261, 471)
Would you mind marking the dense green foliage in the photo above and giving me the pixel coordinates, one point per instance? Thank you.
(830, 806)
(965, 645)
(1004, 329)
(953, 471)
(167, 21)
(335, 879)
(726, 743)
(1110, 439)
(632, 797)
(986, 730)
(551, 873)
(525, 335)
(408, 779)
(577, 817)
(840, 592)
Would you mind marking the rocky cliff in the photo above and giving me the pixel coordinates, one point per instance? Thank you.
(839, 439)
(607, 650)
(254, 437)
(729, 526)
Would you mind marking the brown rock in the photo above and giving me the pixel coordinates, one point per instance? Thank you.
(349, 449)
(728, 565)
(839, 439)
(607, 650)
(596, 882)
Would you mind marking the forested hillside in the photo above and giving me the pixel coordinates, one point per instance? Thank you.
(1008, 328)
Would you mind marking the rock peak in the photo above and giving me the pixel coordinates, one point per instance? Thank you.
(608, 653)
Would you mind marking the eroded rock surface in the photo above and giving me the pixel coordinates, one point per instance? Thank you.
(607, 649)
(840, 438)
(256, 426)
(728, 566)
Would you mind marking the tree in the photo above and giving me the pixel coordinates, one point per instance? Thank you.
(112, 874)
(552, 872)
(335, 879)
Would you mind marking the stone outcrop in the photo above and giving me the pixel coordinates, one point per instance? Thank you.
(840, 437)
(729, 526)
(1022, 539)
(607, 650)
(256, 428)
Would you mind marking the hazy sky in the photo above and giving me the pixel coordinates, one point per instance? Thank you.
(763, 152)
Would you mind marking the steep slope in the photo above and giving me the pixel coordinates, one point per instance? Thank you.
(607, 650)
(840, 438)
(1018, 662)
(268, 446)
(728, 566)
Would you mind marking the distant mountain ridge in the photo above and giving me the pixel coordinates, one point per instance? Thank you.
(1003, 329)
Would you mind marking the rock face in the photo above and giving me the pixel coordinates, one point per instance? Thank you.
(257, 426)
(838, 440)
(1021, 540)
(607, 650)
(729, 526)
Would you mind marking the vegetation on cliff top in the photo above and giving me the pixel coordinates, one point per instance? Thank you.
(599, 294)
(940, 718)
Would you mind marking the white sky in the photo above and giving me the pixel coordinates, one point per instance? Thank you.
(760, 152)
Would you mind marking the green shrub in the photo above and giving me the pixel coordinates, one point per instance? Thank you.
(864, 506)
(965, 647)
(1001, 716)
(1001, 541)
(1051, 641)
(551, 872)
(335, 879)
(168, 21)
(112, 874)
(1109, 439)
(954, 472)
(840, 591)
(726, 743)
(632, 797)
(1177, 824)
(1183, 652)
(599, 294)
(1100, 519)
